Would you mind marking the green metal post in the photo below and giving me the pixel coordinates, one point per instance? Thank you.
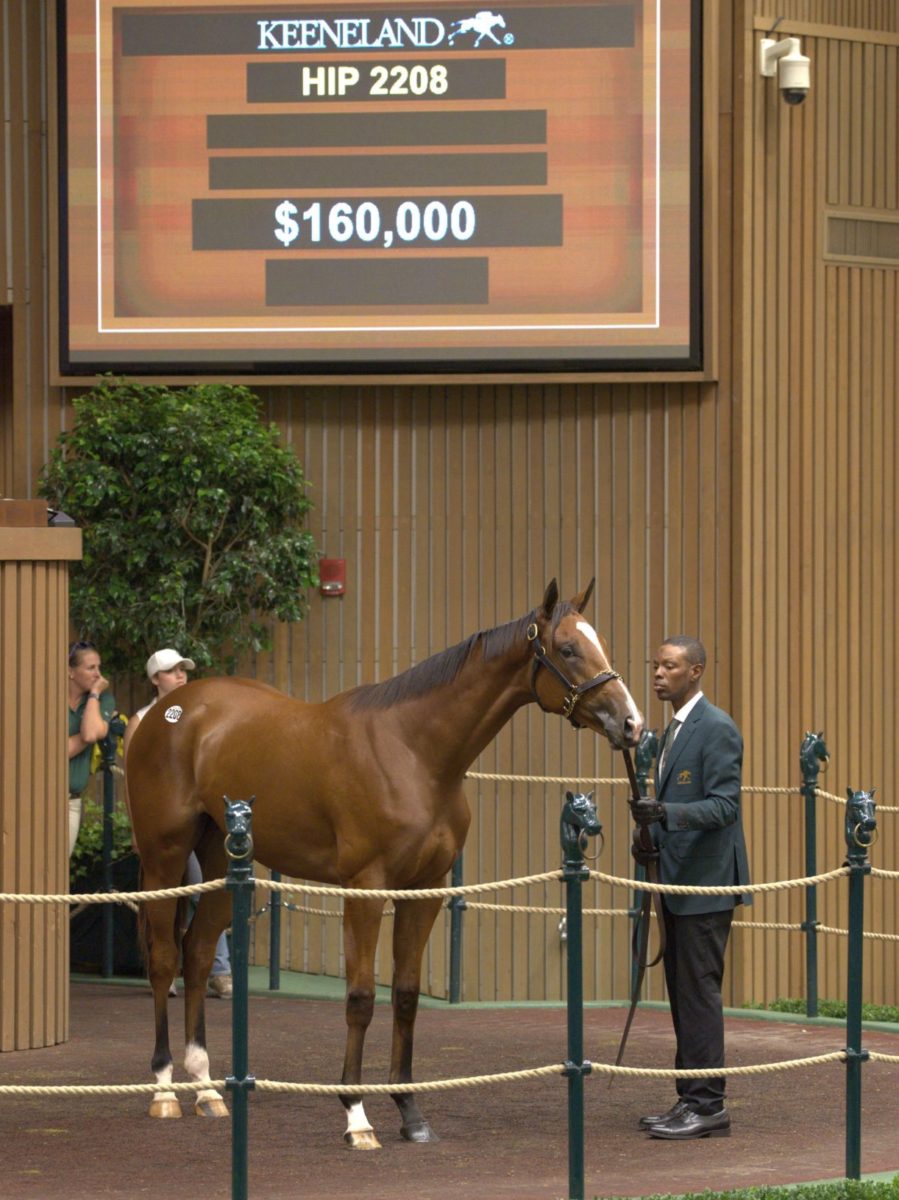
(239, 848)
(108, 747)
(274, 943)
(811, 754)
(457, 907)
(578, 821)
(861, 832)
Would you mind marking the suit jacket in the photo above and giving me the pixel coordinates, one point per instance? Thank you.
(703, 843)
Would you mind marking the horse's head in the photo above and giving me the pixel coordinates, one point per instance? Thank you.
(861, 822)
(572, 674)
(239, 826)
(647, 749)
(579, 821)
(812, 752)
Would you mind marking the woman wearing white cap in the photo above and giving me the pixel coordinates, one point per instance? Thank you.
(167, 670)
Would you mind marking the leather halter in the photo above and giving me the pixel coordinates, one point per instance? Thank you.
(575, 690)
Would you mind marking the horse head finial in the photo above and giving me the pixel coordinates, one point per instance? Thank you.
(647, 748)
(861, 822)
(239, 823)
(579, 821)
(812, 752)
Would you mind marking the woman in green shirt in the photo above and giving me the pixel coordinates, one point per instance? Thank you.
(91, 707)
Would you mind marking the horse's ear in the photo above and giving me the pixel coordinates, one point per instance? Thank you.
(580, 602)
(550, 598)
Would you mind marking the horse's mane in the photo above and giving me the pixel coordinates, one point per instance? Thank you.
(443, 667)
(439, 669)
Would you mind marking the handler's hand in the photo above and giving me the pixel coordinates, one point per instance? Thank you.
(646, 812)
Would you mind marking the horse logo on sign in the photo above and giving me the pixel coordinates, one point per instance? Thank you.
(482, 23)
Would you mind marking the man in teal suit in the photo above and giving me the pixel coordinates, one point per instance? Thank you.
(695, 822)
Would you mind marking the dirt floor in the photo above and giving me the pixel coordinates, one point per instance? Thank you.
(504, 1141)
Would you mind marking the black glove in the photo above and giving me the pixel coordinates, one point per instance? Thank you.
(644, 855)
(645, 812)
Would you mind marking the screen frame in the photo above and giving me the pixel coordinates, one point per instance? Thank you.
(696, 363)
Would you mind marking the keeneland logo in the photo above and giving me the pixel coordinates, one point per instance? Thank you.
(482, 23)
(375, 33)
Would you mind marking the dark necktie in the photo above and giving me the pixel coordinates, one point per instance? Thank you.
(670, 734)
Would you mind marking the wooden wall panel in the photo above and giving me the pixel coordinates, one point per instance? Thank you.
(756, 508)
(462, 516)
(874, 15)
(818, 507)
(24, 202)
(34, 940)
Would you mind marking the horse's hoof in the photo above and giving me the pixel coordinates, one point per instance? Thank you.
(211, 1108)
(165, 1107)
(421, 1131)
(210, 1104)
(362, 1139)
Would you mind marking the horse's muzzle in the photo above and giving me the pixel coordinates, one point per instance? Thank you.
(633, 729)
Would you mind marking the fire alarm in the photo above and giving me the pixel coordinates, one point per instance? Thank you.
(332, 576)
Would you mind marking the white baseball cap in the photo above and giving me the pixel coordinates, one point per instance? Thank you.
(167, 660)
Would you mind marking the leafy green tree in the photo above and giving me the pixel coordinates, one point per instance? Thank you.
(192, 514)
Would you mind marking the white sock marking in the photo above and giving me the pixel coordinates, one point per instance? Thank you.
(164, 1081)
(356, 1121)
(196, 1063)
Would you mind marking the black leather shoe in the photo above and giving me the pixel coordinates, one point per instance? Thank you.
(692, 1124)
(675, 1110)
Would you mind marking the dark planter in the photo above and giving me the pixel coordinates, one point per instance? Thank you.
(86, 928)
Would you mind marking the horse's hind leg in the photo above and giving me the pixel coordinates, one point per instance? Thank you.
(211, 917)
(161, 918)
(412, 926)
(361, 922)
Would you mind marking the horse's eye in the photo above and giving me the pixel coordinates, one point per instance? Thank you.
(568, 651)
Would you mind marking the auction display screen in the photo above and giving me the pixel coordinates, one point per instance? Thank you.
(374, 187)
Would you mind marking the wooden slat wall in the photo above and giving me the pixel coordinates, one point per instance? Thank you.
(880, 15)
(757, 509)
(34, 941)
(818, 502)
(455, 521)
(29, 413)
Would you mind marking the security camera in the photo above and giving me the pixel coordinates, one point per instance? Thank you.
(785, 60)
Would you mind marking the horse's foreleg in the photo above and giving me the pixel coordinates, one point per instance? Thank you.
(361, 922)
(160, 916)
(210, 919)
(412, 926)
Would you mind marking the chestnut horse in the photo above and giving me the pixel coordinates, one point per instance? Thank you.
(363, 790)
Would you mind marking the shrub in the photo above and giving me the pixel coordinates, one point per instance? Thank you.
(192, 513)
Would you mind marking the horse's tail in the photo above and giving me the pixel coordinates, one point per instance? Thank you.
(145, 933)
